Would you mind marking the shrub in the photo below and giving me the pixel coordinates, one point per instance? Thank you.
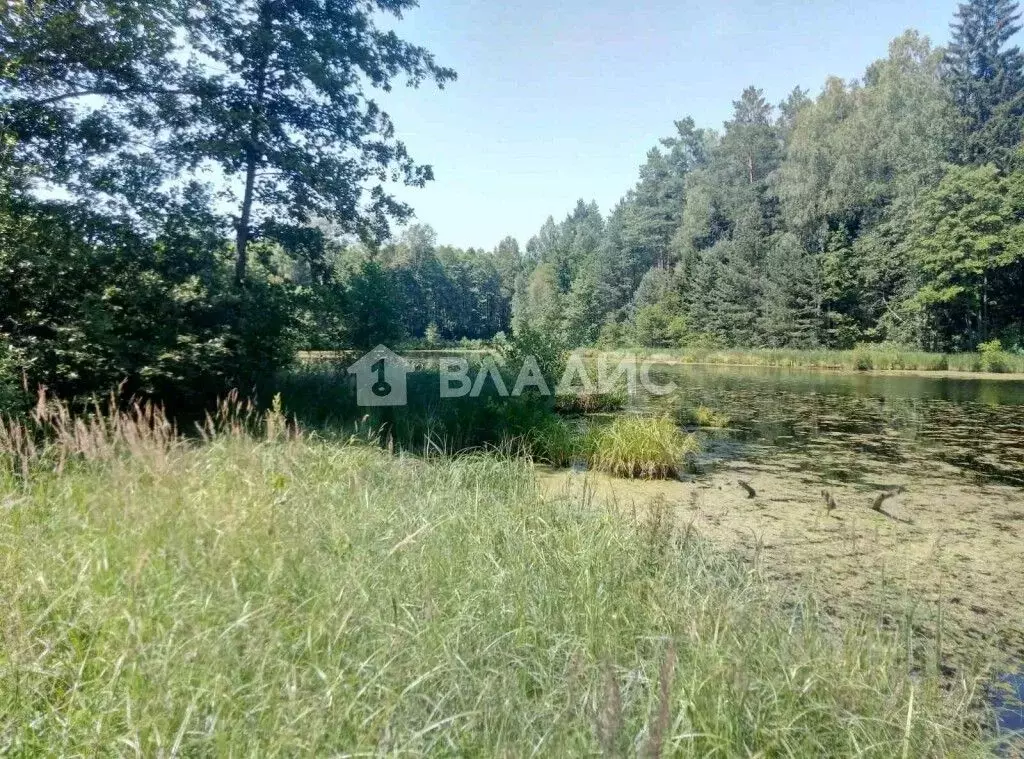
(548, 350)
(613, 334)
(93, 304)
(993, 357)
(862, 361)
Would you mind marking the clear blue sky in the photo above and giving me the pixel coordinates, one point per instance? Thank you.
(562, 99)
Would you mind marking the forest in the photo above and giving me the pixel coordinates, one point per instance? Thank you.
(196, 233)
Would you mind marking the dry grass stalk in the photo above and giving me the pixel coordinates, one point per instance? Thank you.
(660, 720)
(609, 720)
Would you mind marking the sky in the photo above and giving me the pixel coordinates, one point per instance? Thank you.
(562, 99)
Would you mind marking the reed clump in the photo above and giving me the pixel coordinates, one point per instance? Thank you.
(702, 416)
(640, 447)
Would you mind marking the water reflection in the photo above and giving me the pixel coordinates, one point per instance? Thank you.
(859, 427)
(1008, 701)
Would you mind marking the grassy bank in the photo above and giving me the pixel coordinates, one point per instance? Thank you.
(548, 430)
(861, 359)
(266, 595)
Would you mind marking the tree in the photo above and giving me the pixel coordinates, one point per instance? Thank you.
(790, 110)
(986, 78)
(372, 317)
(509, 261)
(274, 95)
(856, 163)
(791, 315)
(967, 233)
(82, 83)
(538, 302)
(583, 310)
(751, 137)
(657, 311)
(89, 304)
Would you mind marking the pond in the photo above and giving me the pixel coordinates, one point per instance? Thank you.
(847, 427)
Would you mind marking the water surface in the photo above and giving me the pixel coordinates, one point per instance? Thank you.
(848, 426)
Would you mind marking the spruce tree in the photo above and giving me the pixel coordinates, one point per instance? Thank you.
(986, 79)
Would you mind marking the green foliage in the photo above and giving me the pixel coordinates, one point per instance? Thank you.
(993, 357)
(83, 81)
(538, 303)
(986, 79)
(90, 305)
(816, 223)
(372, 315)
(130, 281)
(831, 221)
(967, 233)
(702, 416)
(791, 314)
(656, 327)
(464, 293)
(546, 348)
(11, 395)
(613, 333)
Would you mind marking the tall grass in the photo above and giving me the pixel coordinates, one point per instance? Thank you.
(640, 447)
(275, 594)
(865, 358)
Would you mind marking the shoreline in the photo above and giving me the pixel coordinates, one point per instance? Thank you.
(936, 373)
(666, 360)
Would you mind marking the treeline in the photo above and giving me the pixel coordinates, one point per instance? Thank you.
(885, 209)
(412, 289)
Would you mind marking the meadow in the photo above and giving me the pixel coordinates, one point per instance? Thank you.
(257, 590)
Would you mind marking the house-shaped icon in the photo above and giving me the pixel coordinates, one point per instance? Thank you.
(380, 378)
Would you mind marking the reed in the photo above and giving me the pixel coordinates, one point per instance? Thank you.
(274, 594)
(639, 447)
(862, 358)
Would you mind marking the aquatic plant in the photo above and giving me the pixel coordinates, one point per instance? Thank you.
(640, 447)
(702, 416)
(591, 403)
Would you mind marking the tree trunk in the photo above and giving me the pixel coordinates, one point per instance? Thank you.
(984, 309)
(252, 149)
(244, 219)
